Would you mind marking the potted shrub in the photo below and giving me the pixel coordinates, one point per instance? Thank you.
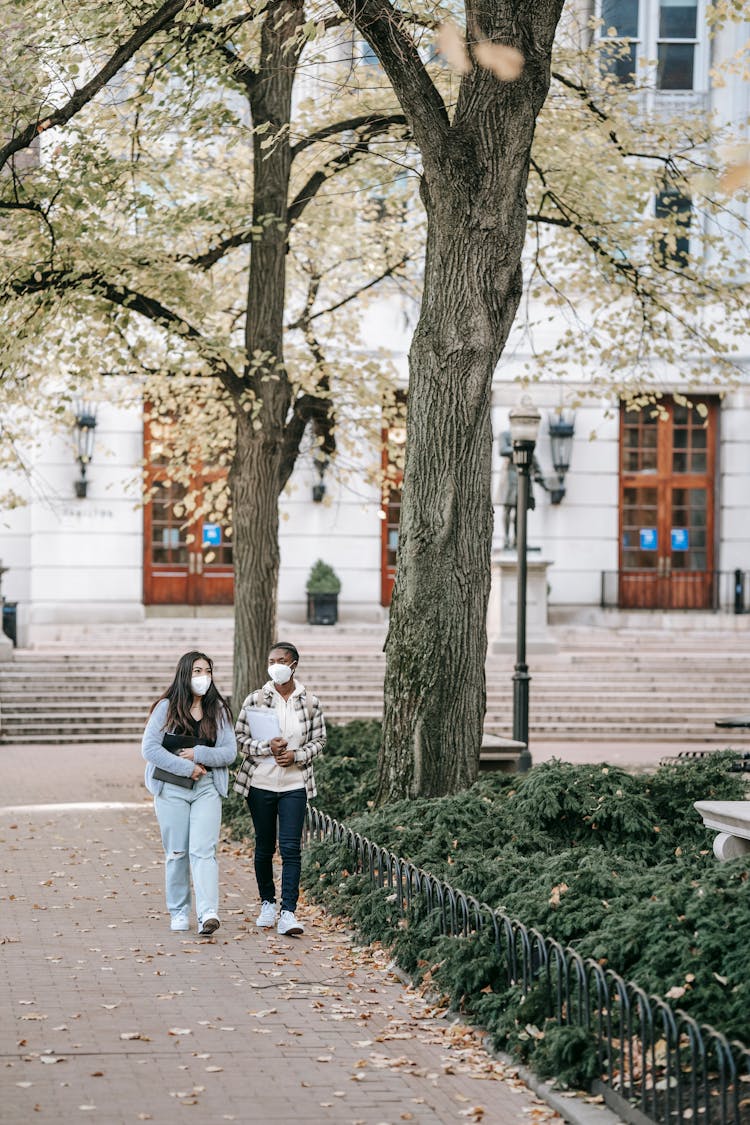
(323, 587)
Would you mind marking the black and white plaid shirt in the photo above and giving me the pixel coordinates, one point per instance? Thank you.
(313, 737)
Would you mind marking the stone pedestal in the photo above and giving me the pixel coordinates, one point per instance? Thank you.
(501, 614)
(731, 819)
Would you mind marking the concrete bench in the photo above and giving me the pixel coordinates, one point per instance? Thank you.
(499, 754)
(731, 819)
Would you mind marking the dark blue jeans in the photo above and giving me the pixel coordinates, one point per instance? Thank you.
(288, 811)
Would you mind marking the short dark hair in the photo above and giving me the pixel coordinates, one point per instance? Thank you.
(285, 646)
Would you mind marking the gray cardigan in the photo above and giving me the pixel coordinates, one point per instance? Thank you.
(219, 757)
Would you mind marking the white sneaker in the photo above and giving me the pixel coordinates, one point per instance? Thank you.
(180, 921)
(209, 925)
(267, 916)
(288, 924)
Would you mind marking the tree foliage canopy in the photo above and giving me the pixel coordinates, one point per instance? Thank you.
(127, 226)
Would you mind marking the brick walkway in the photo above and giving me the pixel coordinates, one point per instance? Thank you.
(116, 1019)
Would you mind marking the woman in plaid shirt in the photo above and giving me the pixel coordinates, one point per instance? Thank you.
(276, 778)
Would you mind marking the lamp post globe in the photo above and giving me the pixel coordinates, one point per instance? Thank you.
(524, 422)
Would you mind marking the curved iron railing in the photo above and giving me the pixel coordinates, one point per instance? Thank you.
(656, 1063)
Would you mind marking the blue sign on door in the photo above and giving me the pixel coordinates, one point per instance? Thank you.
(680, 539)
(649, 539)
(211, 535)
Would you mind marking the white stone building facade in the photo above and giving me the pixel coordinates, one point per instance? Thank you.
(653, 519)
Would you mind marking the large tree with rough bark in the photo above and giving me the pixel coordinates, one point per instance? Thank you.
(644, 299)
(475, 168)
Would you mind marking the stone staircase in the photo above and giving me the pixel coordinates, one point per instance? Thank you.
(97, 684)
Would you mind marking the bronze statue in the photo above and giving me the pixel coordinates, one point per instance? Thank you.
(509, 491)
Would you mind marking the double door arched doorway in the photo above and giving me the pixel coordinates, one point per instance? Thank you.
(187, 561)
(668, 505)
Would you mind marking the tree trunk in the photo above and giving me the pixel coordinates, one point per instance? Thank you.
(435, 684)
(256, 478)
(473, 188)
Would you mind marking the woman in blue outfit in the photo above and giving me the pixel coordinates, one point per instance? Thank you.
(188, 745)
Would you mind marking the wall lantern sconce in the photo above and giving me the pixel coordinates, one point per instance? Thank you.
(84, 427)
(319, 489)
(561, 430)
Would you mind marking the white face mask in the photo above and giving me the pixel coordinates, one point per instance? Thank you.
(199, 685)
(280, 673)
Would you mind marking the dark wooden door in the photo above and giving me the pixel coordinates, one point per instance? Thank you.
(186, 560)
(667, 475)
(391, 516)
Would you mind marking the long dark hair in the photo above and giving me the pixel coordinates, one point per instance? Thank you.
(180, 696)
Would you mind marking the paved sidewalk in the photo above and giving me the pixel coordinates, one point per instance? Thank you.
(109, 1017)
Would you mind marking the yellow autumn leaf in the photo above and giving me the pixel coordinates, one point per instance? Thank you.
(505, 62)
(452, 46)
(735, 177)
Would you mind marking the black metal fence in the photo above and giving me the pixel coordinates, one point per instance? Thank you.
(657, 1064)
(727, 590)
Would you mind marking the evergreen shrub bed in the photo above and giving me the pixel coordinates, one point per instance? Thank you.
(618, 866)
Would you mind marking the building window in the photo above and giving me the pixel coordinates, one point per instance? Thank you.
(621, 18)
(678, 27)
(671, 204)
(367, 54)
(666, 30)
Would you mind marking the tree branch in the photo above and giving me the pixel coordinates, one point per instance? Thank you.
(93, 283)
(385, 30)
(309, 408)
(161, 19)
(35, 209)
(216, 253)
(370, 125)
(552, 220)
(239, 69)
(354, 124)
(306, 317)
(586, 98)
(338, 163)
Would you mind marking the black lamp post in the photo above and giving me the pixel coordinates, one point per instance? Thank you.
(561, 430)
(85, 424)
(524, 428)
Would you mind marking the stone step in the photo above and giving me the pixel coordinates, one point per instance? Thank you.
(90, 683)
(20, 674)
(12, 713)
(609, 703)
(555, 733)
(541, 710)
(97, 685)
